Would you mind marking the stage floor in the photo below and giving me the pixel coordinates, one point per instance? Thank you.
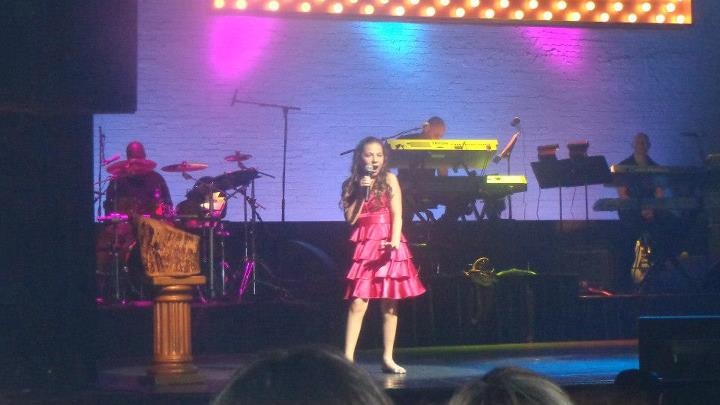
(433, 372)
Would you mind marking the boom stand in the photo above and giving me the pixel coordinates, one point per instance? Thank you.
(285, 110)
(211, 242)
(114, 223)
(250, 260)
(114, 250)
(209, 232)
(505, 154)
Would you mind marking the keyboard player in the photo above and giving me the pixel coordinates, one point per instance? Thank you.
(645, 187)
(412, 179)
(660, 228)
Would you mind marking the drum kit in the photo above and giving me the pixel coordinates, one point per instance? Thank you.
(130, 167)
(119, 269)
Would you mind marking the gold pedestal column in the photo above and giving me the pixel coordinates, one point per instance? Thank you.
(172, 334)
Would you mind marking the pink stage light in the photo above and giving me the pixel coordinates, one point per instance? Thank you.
(237, 44)
(562, 47)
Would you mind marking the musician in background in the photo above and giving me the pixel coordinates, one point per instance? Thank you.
(135, 189)
(138, 189)
(412, 178)
(433, 128)
(659, 229)
(644, 187)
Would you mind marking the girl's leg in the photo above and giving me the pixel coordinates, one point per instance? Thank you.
(390, 319)
(356, 312)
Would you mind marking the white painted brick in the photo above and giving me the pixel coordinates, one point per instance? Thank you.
(601, 84)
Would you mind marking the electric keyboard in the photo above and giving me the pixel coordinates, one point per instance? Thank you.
(656, 170)
(669, 203)
(440, 189)
(437, 153)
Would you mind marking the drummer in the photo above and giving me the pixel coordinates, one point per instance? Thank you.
(136, 188)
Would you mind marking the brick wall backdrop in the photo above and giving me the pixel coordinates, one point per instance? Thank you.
(353, 79)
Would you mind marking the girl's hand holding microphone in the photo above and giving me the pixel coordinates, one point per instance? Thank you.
(366, 181)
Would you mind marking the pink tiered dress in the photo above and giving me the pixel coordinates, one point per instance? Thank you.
(379, 272)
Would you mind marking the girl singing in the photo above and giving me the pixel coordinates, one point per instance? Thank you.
(382, 265)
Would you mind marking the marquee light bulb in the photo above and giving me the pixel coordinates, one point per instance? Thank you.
(273, 5)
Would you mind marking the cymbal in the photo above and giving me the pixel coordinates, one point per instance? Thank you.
(238, 157)
(113, 217)
(184, 167)
(130, 167)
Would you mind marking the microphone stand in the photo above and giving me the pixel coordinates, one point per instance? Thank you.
(115, 254)
(407, 131)
(505, 154)
(101, 159)
(285, 109)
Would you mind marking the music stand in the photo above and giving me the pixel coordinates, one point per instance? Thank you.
(583, 171)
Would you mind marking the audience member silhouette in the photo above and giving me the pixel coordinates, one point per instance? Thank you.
(636, 387)
(511, 386)
(302, 376)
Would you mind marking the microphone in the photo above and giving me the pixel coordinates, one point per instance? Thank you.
(411, 135)
(507, 150)
(412, 130)
(515, 121)
(369, 169)
(111, 159)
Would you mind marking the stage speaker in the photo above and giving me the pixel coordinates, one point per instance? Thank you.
(68, 56)
(680, 348)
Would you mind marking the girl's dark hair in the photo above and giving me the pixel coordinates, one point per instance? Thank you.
(351, 188)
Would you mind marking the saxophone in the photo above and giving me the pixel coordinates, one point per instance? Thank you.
(641, 265)
(481, 272)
